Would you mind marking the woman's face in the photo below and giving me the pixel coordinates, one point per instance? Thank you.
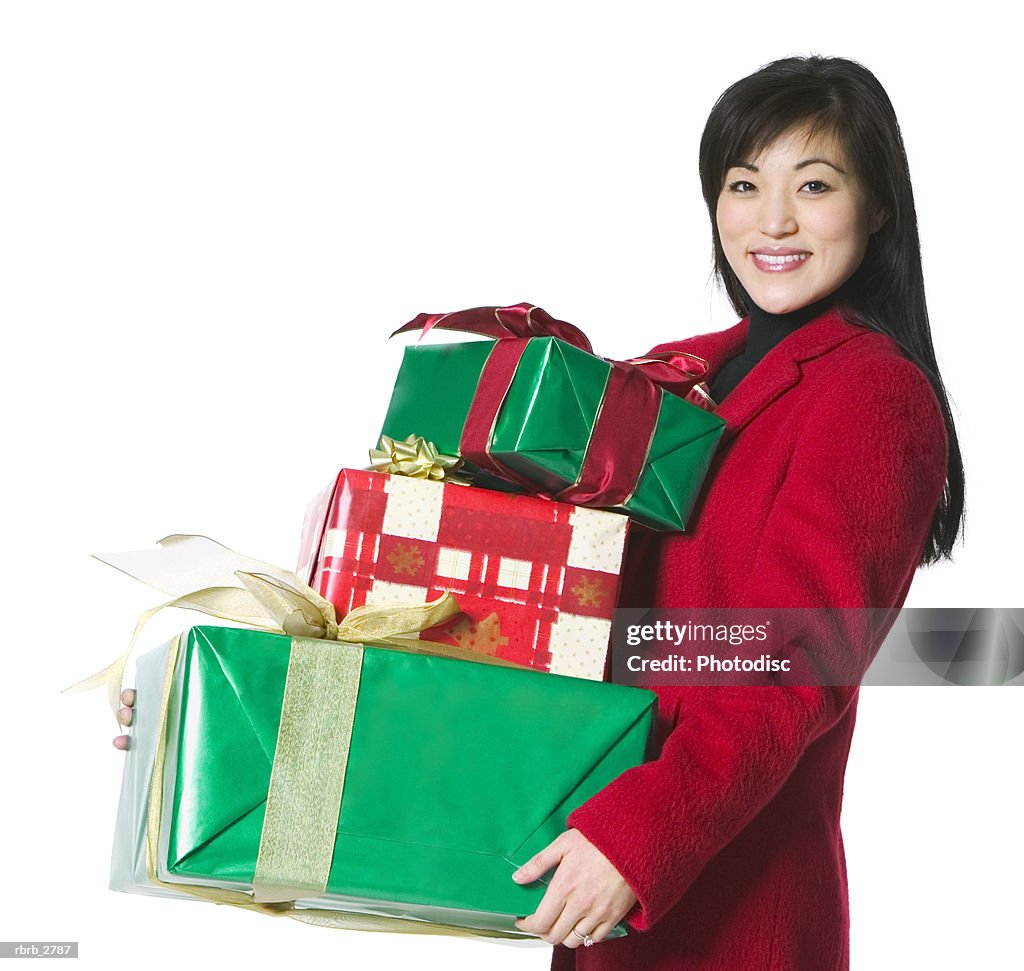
(794, 222)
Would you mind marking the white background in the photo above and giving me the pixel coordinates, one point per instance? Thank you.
(212, 216)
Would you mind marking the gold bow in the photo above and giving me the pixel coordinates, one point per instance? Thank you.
(415, 457)
(200, 574)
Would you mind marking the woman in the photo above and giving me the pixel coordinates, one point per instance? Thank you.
(840, 474)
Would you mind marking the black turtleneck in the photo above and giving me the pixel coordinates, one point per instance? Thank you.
(764, 332)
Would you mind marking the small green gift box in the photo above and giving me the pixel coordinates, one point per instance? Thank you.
(552, 407)
(368, 780)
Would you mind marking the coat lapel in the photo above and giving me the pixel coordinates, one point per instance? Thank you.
(776, 373)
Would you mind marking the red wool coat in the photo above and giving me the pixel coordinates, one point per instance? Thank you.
(821, 495)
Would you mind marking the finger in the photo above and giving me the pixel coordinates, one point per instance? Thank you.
(571, 940)
(537, 866)
(121, 743)
(128, 697)
(562, 933)
(602, 930)
(543, 919)
(124, 716)
(588, 927)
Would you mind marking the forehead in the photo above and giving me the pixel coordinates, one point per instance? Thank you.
(798, 145)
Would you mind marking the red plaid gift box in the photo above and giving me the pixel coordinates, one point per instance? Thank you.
(536, 580)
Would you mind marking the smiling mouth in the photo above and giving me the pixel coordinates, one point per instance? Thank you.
(779, 262)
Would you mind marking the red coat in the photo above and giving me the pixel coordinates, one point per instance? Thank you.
(822, 494)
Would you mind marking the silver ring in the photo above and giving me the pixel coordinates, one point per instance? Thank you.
(586, 938)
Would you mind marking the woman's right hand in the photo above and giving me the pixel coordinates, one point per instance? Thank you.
(124, 716)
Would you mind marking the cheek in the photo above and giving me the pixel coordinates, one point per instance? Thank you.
(844, 228)
(730, 223)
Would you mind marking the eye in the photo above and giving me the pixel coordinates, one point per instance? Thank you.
(741, 187)
(815, 187)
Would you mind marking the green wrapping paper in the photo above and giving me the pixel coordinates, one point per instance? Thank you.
(457, 773)
(545, 423)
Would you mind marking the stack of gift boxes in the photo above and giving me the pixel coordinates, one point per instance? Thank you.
(364, 786)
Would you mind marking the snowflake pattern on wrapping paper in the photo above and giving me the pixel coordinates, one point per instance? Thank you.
(590, 592)
(406, 560)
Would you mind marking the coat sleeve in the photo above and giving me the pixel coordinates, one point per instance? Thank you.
(846, 530)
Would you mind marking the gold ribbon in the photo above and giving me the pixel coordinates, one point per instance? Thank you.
(200, 572)
(415, 457)
(308, 776)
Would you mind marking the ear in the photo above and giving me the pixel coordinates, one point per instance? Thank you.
(877, 220)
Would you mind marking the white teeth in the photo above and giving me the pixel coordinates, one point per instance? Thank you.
(791, 258)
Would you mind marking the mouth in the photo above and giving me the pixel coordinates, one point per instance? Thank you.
(780, 260)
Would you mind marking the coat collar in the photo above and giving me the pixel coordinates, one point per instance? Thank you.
(777, 372)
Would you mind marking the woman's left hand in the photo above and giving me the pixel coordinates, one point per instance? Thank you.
(586, 893)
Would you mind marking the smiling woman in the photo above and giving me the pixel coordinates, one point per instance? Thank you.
(838, 476)
(795, 222)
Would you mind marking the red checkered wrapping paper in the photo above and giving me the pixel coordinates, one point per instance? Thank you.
(536, 580)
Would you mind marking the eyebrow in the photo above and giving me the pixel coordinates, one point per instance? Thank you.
(750, 167)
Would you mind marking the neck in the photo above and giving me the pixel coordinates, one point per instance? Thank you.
(766, 330)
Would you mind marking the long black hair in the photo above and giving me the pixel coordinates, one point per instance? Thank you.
(841, 98)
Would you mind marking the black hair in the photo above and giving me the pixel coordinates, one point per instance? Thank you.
(841, 98)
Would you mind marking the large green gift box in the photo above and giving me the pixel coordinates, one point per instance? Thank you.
(546, 420)
(456, 772)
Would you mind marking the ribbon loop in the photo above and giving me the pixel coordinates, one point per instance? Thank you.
(385, 624)
(675, 371)
(679, 373)
(415, 457)
(501, 323)
(271, 599)
(292, 608)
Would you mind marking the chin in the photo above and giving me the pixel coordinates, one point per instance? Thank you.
(770, 306)
(782, 303)
(775, 304)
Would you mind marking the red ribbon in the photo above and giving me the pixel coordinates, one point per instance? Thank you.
(502, 323)
(625, 425)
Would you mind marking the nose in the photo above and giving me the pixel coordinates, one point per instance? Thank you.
(777, 218)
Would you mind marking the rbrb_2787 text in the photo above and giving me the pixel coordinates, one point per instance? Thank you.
(665, 632)
(707, 662)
